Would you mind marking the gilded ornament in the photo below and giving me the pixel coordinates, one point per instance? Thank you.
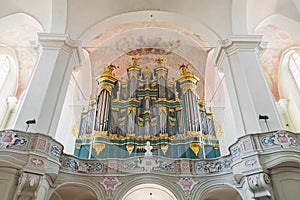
(178, 108)
(162, 109)
(77, 146)
(115, 108)
(164, 135)
(164, 148)
(194, 133)
(140, 123)
(113, 136)
(134, 62)
(130, 135)
(129, 148)
(122, 110)
(181, 136)
(161, 74)
(105, 86)
(131, 108)
(187, 87)
(172, 118)
(122, 118)
(160, 60)
(195, 148)
(98, 147)
(100, 133)
(172, 123)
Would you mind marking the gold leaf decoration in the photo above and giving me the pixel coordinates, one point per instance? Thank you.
(98, 147)
(164, 148)
(129, 148)
(195, 148)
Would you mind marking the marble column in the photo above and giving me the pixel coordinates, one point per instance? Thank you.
(45, 94)
(250, 96)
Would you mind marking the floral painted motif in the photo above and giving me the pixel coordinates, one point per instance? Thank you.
(251, 162)
(185, 167)
(71, 163)
(111, 183)
(83, 166)
(186, 184)
(247, 145)
(37, 162)
(55, 150)
(8, 139)
(166, 166)
(130, 165)
(279, 139)
(31, 143)
(41, 144)
(235, 151)
(212, 167)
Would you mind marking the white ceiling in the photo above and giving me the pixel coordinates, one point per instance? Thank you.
(149, 192)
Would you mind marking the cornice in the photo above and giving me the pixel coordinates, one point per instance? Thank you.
(54, 41)
(237, 43)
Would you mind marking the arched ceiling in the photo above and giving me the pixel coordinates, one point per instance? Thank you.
(221, 193)
(196, 24)
(149, 192)
(148, 40)
(72, 191)
(16, 32)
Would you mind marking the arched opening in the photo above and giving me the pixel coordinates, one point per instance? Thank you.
(149, 191)
(289, 92)
(8, 84)
(221, 193)
(16, 33)
(74, 192)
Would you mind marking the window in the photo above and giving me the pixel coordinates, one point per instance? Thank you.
(294, 65)
(4, 68)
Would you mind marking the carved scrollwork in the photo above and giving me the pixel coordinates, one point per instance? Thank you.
(28, 185)
(259, 184)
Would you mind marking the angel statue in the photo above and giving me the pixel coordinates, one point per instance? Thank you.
(148, 149)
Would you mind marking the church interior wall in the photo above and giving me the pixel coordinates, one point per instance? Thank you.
(201, 23)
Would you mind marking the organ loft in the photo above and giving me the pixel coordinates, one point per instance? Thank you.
(147, 107)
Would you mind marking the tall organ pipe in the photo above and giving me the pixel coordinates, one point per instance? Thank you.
(192, 97)
(107, 111)
(188, 115)
(192, 110)
(102, 110)
(106, 106)
(195, 108)
(99, 111)
(196, 113)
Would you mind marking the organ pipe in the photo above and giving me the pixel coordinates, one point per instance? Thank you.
(145, 110)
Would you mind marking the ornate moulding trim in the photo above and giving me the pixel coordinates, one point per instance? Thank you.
(111, 183)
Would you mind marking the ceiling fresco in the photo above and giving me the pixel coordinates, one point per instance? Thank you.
(18, 39)
(149, 41)
(278, 41)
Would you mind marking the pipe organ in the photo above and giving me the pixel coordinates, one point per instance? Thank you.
(146, 107)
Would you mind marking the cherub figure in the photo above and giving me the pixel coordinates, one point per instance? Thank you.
(148, 149)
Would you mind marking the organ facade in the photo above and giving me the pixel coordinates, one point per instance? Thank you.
(147, 106)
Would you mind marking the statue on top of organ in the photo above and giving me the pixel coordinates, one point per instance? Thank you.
(148, 106)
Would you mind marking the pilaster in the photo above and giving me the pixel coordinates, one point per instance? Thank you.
(250, 96)
(44, 97)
